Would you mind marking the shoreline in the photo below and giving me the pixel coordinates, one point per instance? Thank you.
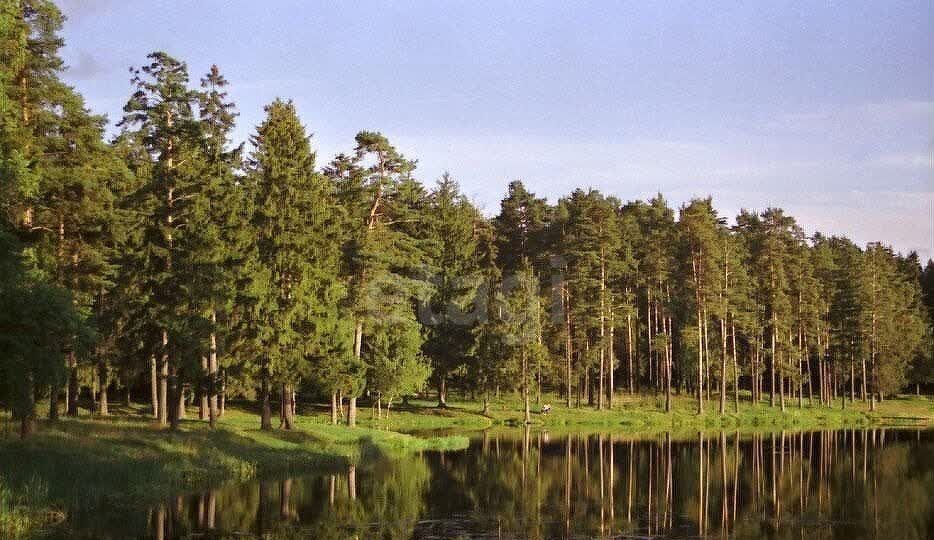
(127, 459)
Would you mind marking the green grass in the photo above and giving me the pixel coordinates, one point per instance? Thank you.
(128, 460)
(646, 413)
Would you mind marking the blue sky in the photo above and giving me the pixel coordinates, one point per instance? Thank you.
(823, 108)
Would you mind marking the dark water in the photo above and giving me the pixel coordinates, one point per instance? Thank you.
(531, 484)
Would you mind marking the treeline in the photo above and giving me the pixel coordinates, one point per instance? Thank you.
(174, 259)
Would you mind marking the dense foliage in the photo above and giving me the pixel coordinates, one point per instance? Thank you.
(167, 259)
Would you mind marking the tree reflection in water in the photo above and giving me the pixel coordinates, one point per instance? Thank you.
(530, 484)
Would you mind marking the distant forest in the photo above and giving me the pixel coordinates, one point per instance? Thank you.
(172, 264)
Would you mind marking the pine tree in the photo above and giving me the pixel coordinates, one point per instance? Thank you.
(698, 231)
(382, 257)
(626, 283)
(775, 236)
(160, 114)
(217, 233)
(657, 266)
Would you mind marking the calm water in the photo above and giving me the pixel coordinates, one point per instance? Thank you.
(531, 484)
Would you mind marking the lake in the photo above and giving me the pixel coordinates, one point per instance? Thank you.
(518, 484)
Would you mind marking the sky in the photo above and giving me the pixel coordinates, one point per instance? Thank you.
(825, 109)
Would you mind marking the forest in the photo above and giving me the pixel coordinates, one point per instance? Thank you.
(171, 265)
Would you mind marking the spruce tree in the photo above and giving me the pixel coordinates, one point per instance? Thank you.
(294, 290)
(450, 314)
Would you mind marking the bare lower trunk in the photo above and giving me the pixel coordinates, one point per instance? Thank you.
(735, 369)
(154, 386)
(27, 425)
(612, 364)
(700, 364)
(333, 408)
(203, 391)
(568, 349)
(632, 384)
(442, 391)
(72, 406)
(287, 411)
(781, 389)
(182, 401)
(222, 406)
(103, 381)
(668, 364)
(163, 381)
(212, 377)
(723, 357)
(863, 382)
(174, 397)
(525, 387)
(352, 411)
(27, 414)
(54, 391)
(772, 366)
(265, 421)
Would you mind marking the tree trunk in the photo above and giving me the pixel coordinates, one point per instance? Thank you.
(735, 367)
(525, 386)
(103, 380)
(27, 425)
(723, 357)
(781, 389)
(265, 421)
(666, 326)
(632, 385)
(352, 411)
(568, 342)
(202, 391)
(287, 420)
(333, 408)
(54, 391)
(222, 406)
(863, 395)
(706, 354)
(154, 386)
(772, 365)
(212, 375)
(73, 388)
(600, 385)
(442, 391)
(27, 412)
(612, 363)
(700, 336)
(182, 400)
(173, 398)
(163, 381)
(852, 379)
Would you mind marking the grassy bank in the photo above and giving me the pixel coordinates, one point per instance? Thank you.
(646, 413)
(126, 460)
